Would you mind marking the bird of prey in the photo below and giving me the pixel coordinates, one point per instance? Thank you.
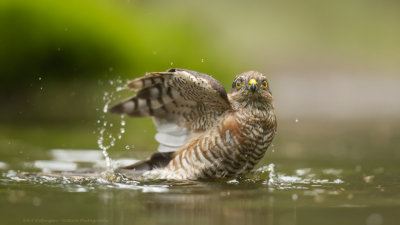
(203, 131)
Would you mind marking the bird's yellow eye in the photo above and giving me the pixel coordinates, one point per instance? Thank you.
(239, 83)
(264, 84)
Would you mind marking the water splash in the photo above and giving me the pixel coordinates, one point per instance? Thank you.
(272, 175)
(266, 173)
(104, 147)
(107, 138)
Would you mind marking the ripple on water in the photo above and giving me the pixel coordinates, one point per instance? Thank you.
(84, 170)
(304, 178)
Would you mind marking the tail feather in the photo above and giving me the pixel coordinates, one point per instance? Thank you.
(157, 160)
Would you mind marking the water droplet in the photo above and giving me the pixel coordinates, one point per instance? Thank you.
(41, 88)
(368, 179)
(123, 123)
(296, 120)
(122, 130)
(295, 197)
(127, 147)
(98, 121)
(119, 136)
(111, 125)
(105, 109)
(40, 78)
(202, 60)
(172, 63)
(105, 123)
(111, 82)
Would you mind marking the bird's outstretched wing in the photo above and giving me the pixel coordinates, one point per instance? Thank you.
(183, 103)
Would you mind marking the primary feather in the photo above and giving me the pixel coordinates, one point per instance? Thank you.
(182, 102)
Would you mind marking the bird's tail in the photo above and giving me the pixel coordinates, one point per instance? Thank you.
(157, 160)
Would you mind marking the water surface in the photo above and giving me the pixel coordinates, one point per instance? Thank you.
(315, 176)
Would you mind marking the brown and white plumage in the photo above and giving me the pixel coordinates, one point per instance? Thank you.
(202, 131)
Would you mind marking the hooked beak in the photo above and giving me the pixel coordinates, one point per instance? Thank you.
(253, 85)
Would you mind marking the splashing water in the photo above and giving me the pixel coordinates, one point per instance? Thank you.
(107, 138)
(272, 175)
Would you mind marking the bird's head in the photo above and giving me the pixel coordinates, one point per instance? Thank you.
(251, 89)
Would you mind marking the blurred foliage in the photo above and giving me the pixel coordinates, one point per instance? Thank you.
(66, 39)
(54, 53)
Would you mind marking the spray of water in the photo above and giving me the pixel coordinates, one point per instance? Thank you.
(107, 138)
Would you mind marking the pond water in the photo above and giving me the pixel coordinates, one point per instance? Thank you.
(316, 172)
(317, 176)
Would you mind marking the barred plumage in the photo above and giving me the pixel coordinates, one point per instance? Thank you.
(204, 132)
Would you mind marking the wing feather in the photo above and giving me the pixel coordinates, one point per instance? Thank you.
(182, 103)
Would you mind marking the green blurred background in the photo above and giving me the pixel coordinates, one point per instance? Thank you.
(333, 67)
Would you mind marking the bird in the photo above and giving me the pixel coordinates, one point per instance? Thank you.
(203, 132)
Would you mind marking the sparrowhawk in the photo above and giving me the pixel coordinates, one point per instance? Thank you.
(203, 131)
